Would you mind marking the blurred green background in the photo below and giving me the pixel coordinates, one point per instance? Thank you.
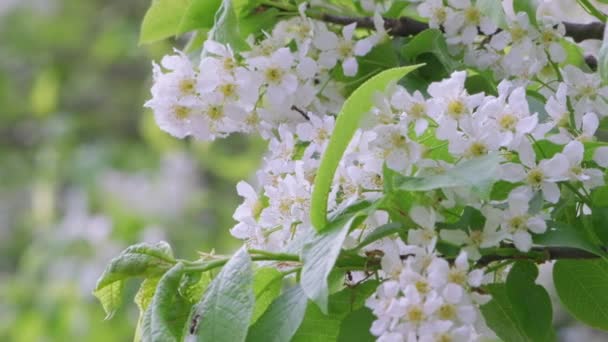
(84, 170)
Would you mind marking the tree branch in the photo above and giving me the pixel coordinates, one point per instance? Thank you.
(405, 26)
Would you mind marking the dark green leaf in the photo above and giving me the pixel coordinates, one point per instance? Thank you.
(560, 234)
(379, 233)
(582, 287)
(500, 316)
(320, 327)
(356, 325)
(531, 303)
(282, 319)
(429, 41)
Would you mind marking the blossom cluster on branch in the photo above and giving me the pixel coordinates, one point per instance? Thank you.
(470, 170)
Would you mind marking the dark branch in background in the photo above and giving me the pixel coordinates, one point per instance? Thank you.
(303, 113)
(580, 32)
(405, 26)
(540, 254)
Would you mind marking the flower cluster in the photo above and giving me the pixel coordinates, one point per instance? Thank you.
(284, 88)
(257, 90)
(425, 298)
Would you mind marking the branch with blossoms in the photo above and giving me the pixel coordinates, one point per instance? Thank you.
(405, 26)
(427, 197)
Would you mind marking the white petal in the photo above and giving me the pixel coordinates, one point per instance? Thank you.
(522, 241)
(600, 156)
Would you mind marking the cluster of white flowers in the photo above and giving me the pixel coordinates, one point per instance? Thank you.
(277, 81)
(520, 49)
(425, 298)
(283, 89)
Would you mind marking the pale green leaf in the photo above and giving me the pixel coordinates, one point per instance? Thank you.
(169, 310)
(527, 6)
(110, 297)
(267, 284)
(358, 103)
(319, 256)
(227, 306)
(484, 168)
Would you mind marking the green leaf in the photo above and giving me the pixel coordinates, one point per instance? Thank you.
(162, 20)
(320, 327)
(267, 284)
(429, 41)
(136, 261)
(198, 14)
(582, 287)
(167, 18)
(319, 256)
(356, 325)
(531, 303)
(358, 103)
(141, 260)
(225, 311)
(144, 295)
(494, 10)
(500, 316)
(110, 297)
(561, 234)
(379, 233)
(282, 319)
(528, 6)
(226, 29)
(142, 299)
(484, 168)
(169, 310)
(193, 285)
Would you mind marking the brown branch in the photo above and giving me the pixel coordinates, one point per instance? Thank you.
(580, 32)
(405, 26)
(540, 254)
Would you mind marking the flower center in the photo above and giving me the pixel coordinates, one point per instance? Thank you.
(228, 89)
(417, 110)
(415, 314)
(422, 286)
(457, 277)
(456, 109)
(446, 312)
(345, 49)
(536, 177)
(472, 15)
(186, 87)
(508, 122)
(215, 112)
(518, 223)
(274, 75)
(181, 112)
(477, 149)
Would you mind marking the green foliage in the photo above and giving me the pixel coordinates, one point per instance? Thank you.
(560, 234)
(429, 41)
(484, 168)
(226, 27)
(288, 309)
(527, 6)
(169, 310)
(359, 103)
(228, 303)
(320, 327)
(520, 310)
(531, 303)
(267, 283)
(319, 256)
(582, 287)
(142, 260)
